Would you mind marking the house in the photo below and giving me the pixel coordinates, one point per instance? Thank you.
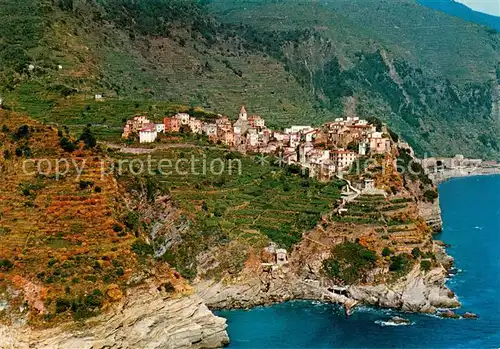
(160, 128)
(304, 149)
(379, 144)
(183, 118)
(369, 184)
(253, 139)
(134, 125)
(289, 156)
(172, 124)
(310, 135)
(256, 121)
(297, 129)
(98, 97)
(228, 138)
(362, 148)
(342, 158)
(210, 130)
(195, 125)
(223, 125)
(281, 256)
(148, 133)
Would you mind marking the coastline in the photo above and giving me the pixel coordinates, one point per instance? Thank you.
(440, 177)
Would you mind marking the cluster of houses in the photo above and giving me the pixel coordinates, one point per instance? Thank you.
(324, 150)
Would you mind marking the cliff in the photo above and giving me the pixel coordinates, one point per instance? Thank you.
(417, 292)
(146, 319)
(431, 212)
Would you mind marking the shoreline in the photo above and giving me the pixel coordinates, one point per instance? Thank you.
(439, 177)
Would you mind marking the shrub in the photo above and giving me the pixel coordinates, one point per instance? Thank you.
(119, 271)
(430, 195)
(399, 263)
(85, 184)
(349, 262)
(386, 252)
(117, 228)
(88, 138)
(5, 265)
(62, 305)
(169, 288)
(142, 248)
(132, 220)
(94, 300)
(22, 132)
(425, 265)
(416, 253)
(67, 145)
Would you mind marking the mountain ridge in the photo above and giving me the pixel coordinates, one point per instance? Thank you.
(222, 54)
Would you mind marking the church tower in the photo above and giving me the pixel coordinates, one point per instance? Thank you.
(243, 113)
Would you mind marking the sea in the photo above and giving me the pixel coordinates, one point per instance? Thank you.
(471, 216)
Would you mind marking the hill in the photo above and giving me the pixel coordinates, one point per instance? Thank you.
(457, 9)
(290, 61)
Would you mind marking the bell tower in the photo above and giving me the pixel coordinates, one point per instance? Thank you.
(243, 113)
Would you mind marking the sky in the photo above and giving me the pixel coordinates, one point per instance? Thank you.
(491, 7)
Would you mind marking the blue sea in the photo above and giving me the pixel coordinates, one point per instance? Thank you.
(471, 215)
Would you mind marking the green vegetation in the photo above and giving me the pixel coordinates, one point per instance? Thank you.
(400, 264)
(425, 265)
(349, 262)
(431, 195)
(229, 53)
(386, 252)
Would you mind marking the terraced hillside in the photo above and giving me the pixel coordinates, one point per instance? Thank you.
(241, 206)
(68, 249)
(290, 61)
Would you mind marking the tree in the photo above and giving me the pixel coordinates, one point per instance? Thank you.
(88, 138)
(425, 265)
(353, 146)
(430, 195)
(386, 252)
(67, 145)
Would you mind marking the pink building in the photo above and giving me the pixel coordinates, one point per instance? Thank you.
(134, 125)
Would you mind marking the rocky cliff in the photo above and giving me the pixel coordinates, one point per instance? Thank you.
(418, 291)
(431, 212)
(147, 318)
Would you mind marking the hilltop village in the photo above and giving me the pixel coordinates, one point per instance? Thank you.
(324, 151)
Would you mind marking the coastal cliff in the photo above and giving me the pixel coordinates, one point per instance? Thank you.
(146, 319)
(418, 291)
(431, 212)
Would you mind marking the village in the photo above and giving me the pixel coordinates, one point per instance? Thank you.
(325, 151)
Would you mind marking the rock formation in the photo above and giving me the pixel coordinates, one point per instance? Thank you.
(431, 212)
(146, 319)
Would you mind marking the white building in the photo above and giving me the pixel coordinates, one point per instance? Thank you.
(160, 128)
(297, 129)
(363, 148)
(148, 134)
(343, 158)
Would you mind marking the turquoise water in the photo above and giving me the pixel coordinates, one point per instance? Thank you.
(471, 214)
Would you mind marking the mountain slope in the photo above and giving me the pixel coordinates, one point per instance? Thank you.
(290, 61)
(457, 9)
